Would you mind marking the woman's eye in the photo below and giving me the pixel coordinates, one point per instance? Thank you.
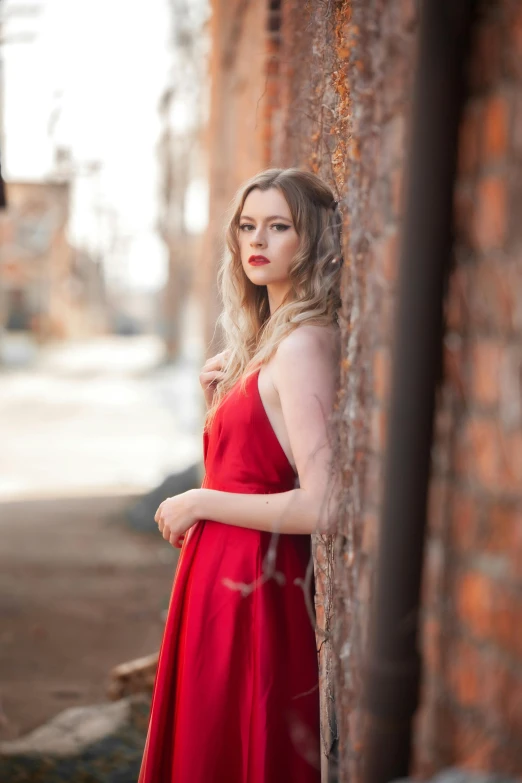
(280, 226)
(245, 226)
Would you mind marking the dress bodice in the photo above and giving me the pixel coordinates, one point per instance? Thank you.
(241, 450)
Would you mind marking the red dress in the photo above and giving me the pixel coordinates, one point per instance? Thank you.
(236, 696)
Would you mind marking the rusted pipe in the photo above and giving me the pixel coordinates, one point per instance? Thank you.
(393, 668)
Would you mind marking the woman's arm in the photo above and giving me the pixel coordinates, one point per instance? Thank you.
(304, 375)
(284, 512)
(304, 372)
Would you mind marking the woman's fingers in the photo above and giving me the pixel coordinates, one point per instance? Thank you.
(176, 540)
(212, 373)
(216, 362)
(157, 515)
(209, 378)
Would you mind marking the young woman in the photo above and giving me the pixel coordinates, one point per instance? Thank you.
(236, 695)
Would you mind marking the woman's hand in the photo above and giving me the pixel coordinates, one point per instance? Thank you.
(176, 515)
(211, 374)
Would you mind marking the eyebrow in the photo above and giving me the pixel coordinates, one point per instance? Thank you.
(271, 217)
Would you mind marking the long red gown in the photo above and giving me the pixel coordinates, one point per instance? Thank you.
(236, 695)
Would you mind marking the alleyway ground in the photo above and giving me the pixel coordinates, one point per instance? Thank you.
(85, 430)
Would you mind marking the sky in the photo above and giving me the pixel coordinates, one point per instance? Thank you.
(90, 79)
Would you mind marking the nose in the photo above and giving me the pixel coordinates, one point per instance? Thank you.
(257, 238)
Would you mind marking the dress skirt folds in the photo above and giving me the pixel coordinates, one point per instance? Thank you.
(236, 696)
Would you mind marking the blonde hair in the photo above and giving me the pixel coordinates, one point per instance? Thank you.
(251, 334)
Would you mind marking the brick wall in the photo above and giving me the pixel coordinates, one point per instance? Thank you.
(472, 643)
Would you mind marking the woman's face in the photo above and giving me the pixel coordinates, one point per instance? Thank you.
(267, 237)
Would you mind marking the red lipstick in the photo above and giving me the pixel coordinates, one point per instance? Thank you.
(258, 260)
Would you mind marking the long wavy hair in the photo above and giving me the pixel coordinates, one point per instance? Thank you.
(250, 333)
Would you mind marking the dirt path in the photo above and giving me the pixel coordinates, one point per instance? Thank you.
(79, 593)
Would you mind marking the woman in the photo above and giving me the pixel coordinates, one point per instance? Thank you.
(236, 695)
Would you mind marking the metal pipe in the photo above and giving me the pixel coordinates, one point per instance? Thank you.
(393, 666)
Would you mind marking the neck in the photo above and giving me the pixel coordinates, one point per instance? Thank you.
(276, 294)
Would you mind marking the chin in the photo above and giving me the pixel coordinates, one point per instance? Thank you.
(257, 276)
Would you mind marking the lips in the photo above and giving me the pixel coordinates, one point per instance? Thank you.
(258, 260)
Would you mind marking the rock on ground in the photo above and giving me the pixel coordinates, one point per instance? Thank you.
(95, 744)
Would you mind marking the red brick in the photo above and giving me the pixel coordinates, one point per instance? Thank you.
(494, 140)
(432, 641)
(462, 739)
(464, 528)
(381, 373)
(490, 610)
(453, 360)
(446, 722)
(409, 13)
(492, 297)
(464, 210)
(510, 467)
(511, 703)
(500, 529)
(513, 45)
(502, 693)
(516, 124)
(465, 673)
(423, 766)
(490, 215)
(457, 304)
(486, 357)
(486, 58)
(469, 139)
(477, 452)
(437, 504)
(474, 747)
(506, 614)
(474, 602)
(442, 455)
(433, 574)
(513, 283)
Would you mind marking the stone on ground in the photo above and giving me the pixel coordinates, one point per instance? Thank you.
(97, 744)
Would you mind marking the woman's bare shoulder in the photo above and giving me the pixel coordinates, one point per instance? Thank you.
(310, 339)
